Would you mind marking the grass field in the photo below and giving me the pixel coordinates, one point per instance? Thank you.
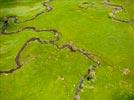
(52, 74)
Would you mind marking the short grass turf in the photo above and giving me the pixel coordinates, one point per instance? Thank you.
(51, 74)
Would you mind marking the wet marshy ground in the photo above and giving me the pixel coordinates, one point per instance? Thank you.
(66, 50)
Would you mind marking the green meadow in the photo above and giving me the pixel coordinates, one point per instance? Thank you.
(52, 74)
